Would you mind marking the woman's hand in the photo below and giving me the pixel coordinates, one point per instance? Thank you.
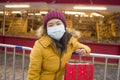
(81, 52)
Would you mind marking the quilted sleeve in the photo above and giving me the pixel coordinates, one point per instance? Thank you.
(35, 62)
(78, 45)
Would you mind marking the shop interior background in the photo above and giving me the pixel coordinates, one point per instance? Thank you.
(98, 26)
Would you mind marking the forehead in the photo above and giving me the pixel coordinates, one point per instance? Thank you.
(54, 21)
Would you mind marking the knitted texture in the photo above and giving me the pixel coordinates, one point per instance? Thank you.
(54, 14)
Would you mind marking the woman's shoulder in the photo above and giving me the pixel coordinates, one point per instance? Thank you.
(44, 41)
(75, 33)
(73, 39)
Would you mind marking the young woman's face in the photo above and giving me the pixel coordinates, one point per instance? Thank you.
(55, 29)
(54, 22)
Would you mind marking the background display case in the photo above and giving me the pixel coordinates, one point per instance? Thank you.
(96, 29)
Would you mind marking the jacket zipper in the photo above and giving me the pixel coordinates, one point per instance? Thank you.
(59, 66)
(60, 61)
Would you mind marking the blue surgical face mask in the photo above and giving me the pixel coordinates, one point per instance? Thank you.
(56, 32)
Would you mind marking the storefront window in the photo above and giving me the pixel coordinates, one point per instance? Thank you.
(99, 27)
(102, 27)
(1, 21)
(22, 23)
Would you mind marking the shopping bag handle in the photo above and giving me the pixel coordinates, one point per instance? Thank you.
(80, 57)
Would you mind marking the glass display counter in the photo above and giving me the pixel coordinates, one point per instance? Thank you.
(94, 29)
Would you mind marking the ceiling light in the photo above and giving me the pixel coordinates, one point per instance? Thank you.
(90, 8)
(37, 14)
(96, 14)
(71, 12)
(30, 13)
(17, 6)
(86, 15)
(43, 12)
(15, 12)
(1, 12)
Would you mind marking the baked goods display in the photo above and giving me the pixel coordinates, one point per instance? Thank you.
(93, 29)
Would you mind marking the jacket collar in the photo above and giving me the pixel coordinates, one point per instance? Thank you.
(73, 41)
(45, 41)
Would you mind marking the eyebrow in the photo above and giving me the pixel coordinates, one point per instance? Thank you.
(50, 23)
(55, 22)
(58, 21)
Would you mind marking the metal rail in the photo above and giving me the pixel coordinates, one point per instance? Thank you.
(106, 57)
(23, 48)
(93, 55)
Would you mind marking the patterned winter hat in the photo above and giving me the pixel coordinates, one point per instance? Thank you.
(54, 14)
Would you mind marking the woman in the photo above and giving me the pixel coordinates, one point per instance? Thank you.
(53, 49)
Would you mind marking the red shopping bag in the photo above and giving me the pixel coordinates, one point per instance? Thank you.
(79, 71)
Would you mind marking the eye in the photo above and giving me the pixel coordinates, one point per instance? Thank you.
(59, 23)
(50, 25)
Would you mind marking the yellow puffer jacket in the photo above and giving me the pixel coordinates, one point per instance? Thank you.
(45, 61)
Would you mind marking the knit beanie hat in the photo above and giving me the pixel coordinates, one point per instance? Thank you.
(54, 14)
